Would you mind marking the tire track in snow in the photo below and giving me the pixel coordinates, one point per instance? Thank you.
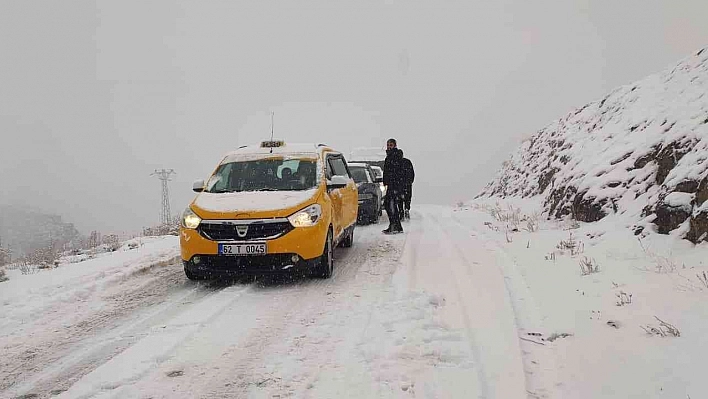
(312, 357)
(410, 253)
(328, 352)
(81, 290)
(484, 309)
(155, 342)
(539, 363)
(31, 341)
(302, 304)
(472, 339)
(54, 343)
(105, 334)
(268, 313)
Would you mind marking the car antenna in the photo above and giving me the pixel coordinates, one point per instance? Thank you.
(271, 130)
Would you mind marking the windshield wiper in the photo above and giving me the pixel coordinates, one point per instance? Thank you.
(247, 190)
(262, 189)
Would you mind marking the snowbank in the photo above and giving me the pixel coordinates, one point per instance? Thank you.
(601, 333)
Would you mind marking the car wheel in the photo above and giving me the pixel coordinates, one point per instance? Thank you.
(192, 276)
(325, 265)
(375, 216)
(348, 241)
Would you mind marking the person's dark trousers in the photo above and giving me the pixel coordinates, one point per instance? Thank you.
(407, 196)
(393, 203)
(401, 206)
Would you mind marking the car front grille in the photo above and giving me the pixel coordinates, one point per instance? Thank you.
(223, 231)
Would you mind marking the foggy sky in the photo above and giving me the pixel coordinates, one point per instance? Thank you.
(95, 96)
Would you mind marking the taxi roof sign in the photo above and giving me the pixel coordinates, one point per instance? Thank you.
(273, 144)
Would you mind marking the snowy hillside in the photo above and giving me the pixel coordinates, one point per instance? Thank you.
(24, 230)
(640, 152)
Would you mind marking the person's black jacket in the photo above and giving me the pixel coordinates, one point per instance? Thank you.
(394, 172)
(408, 172)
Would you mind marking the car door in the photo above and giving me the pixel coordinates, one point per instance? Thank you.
(335, 194)
(375, 186)
(350, 196)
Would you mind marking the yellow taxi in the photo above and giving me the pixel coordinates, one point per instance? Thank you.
(270, 208)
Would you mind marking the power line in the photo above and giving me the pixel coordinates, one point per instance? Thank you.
(164, 176)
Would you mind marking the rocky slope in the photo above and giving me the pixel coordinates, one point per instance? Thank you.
(641, 152)
(24, 230)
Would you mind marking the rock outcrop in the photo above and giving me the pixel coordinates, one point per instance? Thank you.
(641, 152)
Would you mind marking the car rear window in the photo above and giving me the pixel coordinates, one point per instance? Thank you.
(359, 174)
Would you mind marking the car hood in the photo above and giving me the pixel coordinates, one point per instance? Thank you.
(252, 204)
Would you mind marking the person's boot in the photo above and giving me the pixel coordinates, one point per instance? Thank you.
(398, 228)
(388, 230)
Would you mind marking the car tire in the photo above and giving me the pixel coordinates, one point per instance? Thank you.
(348, 240)
(325, 264)
(193, 277)
(375, 217)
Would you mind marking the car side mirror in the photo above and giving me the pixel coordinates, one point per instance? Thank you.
(198, 186)
(337, 182)
(378, 180)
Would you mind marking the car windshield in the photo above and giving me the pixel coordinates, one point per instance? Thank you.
(271, 174)
(358, 174)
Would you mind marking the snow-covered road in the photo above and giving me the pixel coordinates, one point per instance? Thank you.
(422, 314)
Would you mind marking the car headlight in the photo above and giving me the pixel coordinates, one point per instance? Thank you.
(190, 220)
(306, 217)
(366, 196)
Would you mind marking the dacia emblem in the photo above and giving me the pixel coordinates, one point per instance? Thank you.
(242, 230)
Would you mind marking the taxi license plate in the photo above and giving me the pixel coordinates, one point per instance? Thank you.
(243, 249)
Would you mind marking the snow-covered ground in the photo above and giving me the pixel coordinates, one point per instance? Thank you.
(460, 306)
(608, 352)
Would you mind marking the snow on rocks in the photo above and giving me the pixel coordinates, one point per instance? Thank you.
(679, 200)
(623, 154)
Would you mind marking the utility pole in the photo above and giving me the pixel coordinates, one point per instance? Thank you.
(164, 176)
(272, 124)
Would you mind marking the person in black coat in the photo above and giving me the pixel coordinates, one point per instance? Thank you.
(408, 178)
(395, 180)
